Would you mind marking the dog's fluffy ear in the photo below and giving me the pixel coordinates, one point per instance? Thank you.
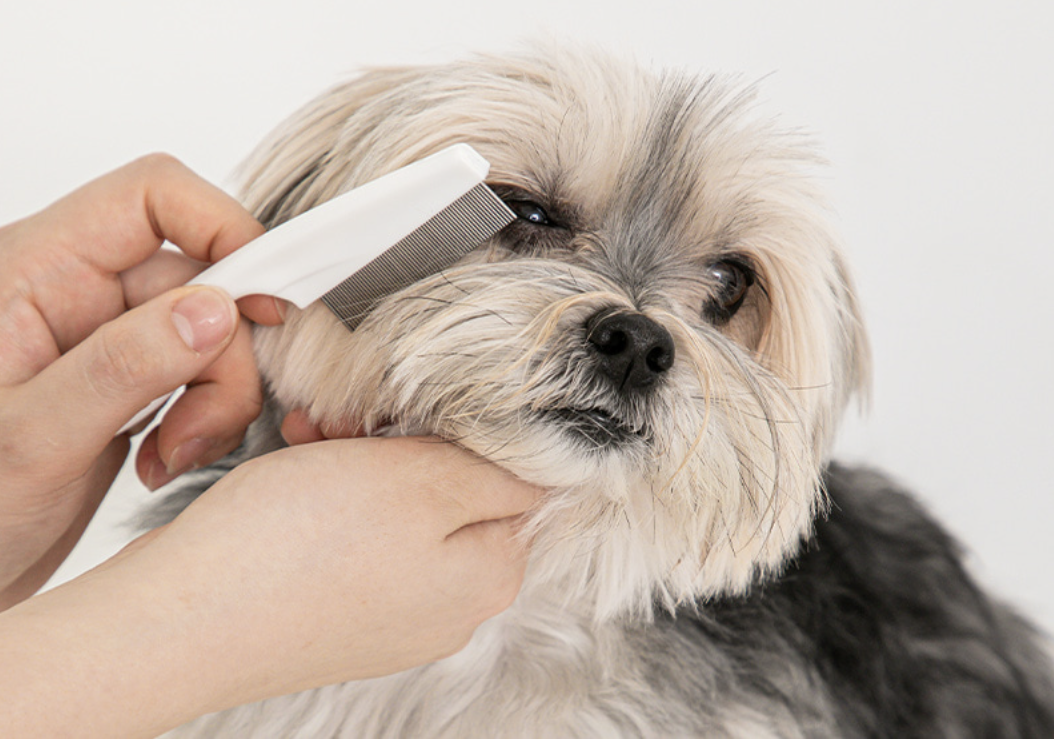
(314, 156)
(855, 343)
(815, 336)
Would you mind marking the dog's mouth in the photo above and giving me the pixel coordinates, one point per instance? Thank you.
(595, 426)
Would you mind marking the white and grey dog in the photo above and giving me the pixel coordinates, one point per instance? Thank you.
(665, 339)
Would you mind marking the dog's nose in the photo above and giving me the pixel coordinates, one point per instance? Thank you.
(632, 350)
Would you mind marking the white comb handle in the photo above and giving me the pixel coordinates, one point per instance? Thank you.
(303, 258)
(310, 254)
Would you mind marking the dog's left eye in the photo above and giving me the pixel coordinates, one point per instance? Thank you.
(732, 279)
(529, 211)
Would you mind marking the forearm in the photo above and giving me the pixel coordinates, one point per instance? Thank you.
(104, 656)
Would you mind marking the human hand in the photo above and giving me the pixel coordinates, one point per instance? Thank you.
(316, 564)
(75, 365)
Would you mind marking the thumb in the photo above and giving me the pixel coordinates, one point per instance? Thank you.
(91, 391)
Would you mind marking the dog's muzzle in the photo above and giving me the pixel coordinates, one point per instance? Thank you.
(631, 354)
(631, 351)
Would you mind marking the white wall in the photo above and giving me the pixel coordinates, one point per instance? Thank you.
(938, 119)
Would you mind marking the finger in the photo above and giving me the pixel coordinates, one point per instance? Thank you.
(25, 339)
(465, 487)
(493, 557)
(125, 364)
(263, 310)
(209, 420)
(151, 470)
(67, 259)
(502, 538)
(488, 493)
(167, 269)
(164, 270)
(200, 219)
(298, 428)
(120, 219)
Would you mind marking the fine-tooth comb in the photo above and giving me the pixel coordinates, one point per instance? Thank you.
(361, 246)
(438, 243)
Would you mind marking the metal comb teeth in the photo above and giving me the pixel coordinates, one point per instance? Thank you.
(437, 244)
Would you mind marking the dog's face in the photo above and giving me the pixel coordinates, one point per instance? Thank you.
(665, 337)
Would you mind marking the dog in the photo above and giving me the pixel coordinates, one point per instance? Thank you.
(665, 339)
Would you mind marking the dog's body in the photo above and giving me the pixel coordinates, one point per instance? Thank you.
(665, 340)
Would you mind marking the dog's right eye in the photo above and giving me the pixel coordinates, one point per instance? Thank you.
(529, 211)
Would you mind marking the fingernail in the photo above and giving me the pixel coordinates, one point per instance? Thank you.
(188, 455)
(203, 318)
(156, 476)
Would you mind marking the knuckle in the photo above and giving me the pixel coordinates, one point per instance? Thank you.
(504, 596)
(457, 643)
(244, 408)
(14, 446)
(499, 593)
(121, 363)
(244, 388)
(24, 452)
(156, 161)
(9, 234)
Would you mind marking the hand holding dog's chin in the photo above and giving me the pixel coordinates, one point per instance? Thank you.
(339, 560)
(359, 558)
(76, 363)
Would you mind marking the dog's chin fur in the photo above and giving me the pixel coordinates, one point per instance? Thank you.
(672, 508)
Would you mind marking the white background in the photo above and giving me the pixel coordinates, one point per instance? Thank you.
(938, 120)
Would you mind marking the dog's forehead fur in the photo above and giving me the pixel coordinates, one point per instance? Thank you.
(655, 173)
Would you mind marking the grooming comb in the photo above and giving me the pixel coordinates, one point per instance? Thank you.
(363, 245)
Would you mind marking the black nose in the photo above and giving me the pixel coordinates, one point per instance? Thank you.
(632, 350)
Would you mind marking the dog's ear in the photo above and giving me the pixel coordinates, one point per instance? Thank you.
(856, 348)
(814, 335)
(314, 155)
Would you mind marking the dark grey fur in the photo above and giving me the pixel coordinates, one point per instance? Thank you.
(880, 607)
